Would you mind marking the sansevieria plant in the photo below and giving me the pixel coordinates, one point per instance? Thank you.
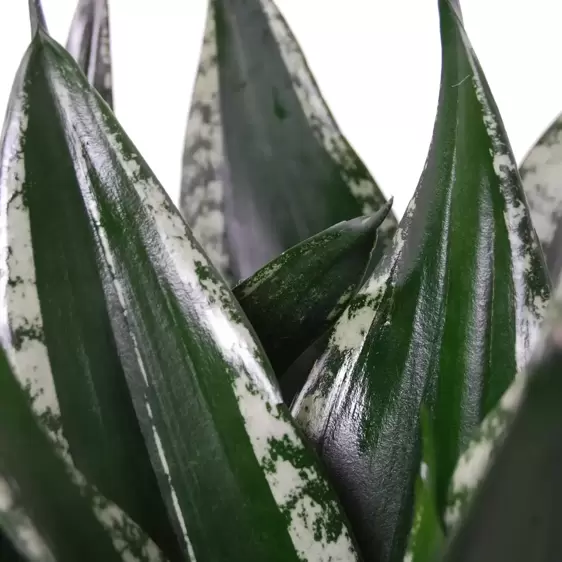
(276, 369)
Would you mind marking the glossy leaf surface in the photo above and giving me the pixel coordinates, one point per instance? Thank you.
(89, 43)
(447, 318)
(237, 478)
(541, 173)
(265, 165)
(41, 510)
(515, 514)
(56, 320)
(296, 297)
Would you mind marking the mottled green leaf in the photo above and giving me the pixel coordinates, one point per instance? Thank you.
(41, 511)
(541, 173)
(426, 535)
(265, 165)
(295, 298)
(56, 321)
(447, 318)
(238, 480)
(515, 514)
(89, 43)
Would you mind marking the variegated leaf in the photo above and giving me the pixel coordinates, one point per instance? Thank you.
(42, 512)
(541, 173)
(295, 298)
(56, 321)
(265, 165)
(515, 513)
(89, 43)
(238, 479)
(448, 317)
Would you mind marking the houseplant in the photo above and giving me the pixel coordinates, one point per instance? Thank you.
(143, 419)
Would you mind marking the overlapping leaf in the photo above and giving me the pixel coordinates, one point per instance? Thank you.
(295, 298)
(265, 165)
(41, 511)
(541, 173)
(56, 319)
(89, 43)
(426, 535)
(238, 480)
(515, 513)
(447, 318)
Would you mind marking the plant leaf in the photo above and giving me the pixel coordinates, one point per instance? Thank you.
(541, 174)
(426, 535)
(296, 297)
(56, 323)
(89, 43)
(265, 165)
(41, 511)
(515, 513)
(475, 460)
(238, 480)
(447, 318)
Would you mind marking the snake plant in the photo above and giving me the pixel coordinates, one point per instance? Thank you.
(275, 368)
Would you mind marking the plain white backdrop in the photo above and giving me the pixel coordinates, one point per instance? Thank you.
(377, 63)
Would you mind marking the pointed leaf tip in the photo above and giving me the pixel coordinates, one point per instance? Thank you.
(36, 17)
(89, 43)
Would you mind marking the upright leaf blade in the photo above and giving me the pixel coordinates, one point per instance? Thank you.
(515, 514)
(447, 318)
(296, 297)
(238, 479)
(90, 45)
(56, 321)
(41, 510)
(265, 165)
(541, 173)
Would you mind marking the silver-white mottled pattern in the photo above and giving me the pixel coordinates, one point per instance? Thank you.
(22, 331)
(203, 166)
(257, 397)
(541, 173)
(530, 307)
(287, 481)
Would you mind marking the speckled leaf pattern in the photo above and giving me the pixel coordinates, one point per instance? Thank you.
(447, 318)
(515, 514)
(265, 165)
(541, 173)
(426, 534)
(56, 321)
(295, 298)
(238, 480)
(41, 511)
(89, 43)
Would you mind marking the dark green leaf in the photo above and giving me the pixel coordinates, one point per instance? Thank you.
(238, 480)
(265, 165)
(447, 318)
(296, 297)
(541, 173)
(515, 514)
(56, 318)
(89, 43)
(426, 535)
(41, 511)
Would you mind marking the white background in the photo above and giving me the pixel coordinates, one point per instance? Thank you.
(376, 61)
